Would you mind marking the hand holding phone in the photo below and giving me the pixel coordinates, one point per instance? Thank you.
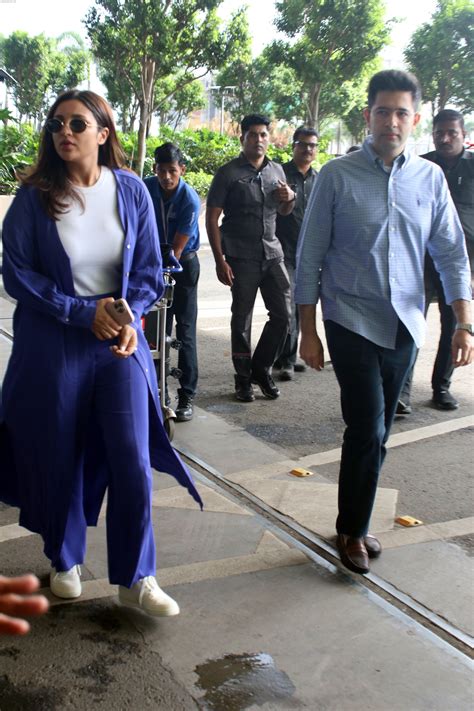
(120, 311)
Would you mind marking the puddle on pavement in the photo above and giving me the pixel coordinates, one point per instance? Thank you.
(238, 681)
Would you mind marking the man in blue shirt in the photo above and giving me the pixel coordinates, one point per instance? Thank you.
(372, 216)
(177, 207)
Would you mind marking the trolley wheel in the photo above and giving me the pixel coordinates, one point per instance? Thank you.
(169, 427)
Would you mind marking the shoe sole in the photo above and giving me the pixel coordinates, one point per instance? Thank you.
(182, 418)
(137, 606)
(66, 596)
(268, 395)
(245, 399)
(448, 408)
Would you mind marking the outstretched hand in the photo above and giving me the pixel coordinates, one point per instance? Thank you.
(16, 599)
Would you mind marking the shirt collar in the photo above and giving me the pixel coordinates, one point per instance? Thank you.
(176, 193)
(244, 161)
(444, 165)
(373, 157)
(294, 169)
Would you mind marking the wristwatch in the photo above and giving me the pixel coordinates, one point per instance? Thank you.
(465, 327)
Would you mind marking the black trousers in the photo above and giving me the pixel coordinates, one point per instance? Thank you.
(443, 366)
(184, 311)
(287, 357)
(370, 378)
(271, 277)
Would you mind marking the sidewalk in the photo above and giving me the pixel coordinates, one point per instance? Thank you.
(262, 626)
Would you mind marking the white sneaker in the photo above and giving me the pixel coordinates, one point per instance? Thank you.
(66, 584)
(147, 595)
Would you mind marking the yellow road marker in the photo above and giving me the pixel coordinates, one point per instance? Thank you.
(301, 472)
(408, 521)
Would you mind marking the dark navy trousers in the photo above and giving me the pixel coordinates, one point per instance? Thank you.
(370, 378)
(120, 402)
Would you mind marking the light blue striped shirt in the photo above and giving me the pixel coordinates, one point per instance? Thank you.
(363, 241)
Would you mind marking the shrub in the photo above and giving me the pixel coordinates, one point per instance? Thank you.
(18, 149)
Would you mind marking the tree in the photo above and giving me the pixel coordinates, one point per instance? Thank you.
(43, 67)
(441, 55)
(154, 39)
(27, 60)
(261, 86)
(180, 100)
(331, 42)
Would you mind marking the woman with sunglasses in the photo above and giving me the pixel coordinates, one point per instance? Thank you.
(80, 410)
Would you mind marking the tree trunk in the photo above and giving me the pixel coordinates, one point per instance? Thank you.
(141, 151)
(312, 116)
(146, 107)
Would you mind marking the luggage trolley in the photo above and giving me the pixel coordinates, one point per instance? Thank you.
(159, 342)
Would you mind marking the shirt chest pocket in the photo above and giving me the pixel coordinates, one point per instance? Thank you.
(248, 193)
(463, 191)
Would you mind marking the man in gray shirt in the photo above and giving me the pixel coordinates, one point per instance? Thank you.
(250, 190)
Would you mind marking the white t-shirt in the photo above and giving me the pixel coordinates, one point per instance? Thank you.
(93, 237)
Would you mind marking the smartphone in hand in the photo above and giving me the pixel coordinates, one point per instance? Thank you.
(120, 311)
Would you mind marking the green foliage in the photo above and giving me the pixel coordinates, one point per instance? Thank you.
(200, 181)
(141, 43)
(262, 86)
(329, 41)
(18, 149)
(441, 55)
(42, 68)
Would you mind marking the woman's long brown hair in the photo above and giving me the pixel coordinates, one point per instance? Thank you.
(50, 175)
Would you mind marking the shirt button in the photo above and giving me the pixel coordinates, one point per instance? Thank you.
(128, 246)
(127, 274)
(393, 204)
(66, 320)
(146, 370)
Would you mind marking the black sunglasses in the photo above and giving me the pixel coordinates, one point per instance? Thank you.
(309, 146)
(77, 125)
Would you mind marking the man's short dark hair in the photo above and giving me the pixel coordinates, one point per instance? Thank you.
(168, 153)
(394, 80)
(253, 120)
(304, 131)
(449, 115)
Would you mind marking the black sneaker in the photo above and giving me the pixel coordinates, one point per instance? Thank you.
(266, 384)
(286, 374)
(403, 408)
(243, 389)
(184, 411)
(443, 400)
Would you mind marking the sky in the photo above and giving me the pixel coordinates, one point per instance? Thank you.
(56, 16)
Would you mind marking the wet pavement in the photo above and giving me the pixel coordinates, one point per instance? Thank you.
(267, 623)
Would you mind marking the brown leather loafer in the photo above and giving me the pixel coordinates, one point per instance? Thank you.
(373, 546)
(353, 553)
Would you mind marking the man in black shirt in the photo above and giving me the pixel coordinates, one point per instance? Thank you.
(300, 177)
(458, 167)
(250, 190)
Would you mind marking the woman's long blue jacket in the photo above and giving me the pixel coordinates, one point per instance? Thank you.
(43, 411)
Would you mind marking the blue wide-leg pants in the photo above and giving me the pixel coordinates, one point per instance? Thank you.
(119, 405)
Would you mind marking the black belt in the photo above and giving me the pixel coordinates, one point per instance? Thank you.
(187, 256)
